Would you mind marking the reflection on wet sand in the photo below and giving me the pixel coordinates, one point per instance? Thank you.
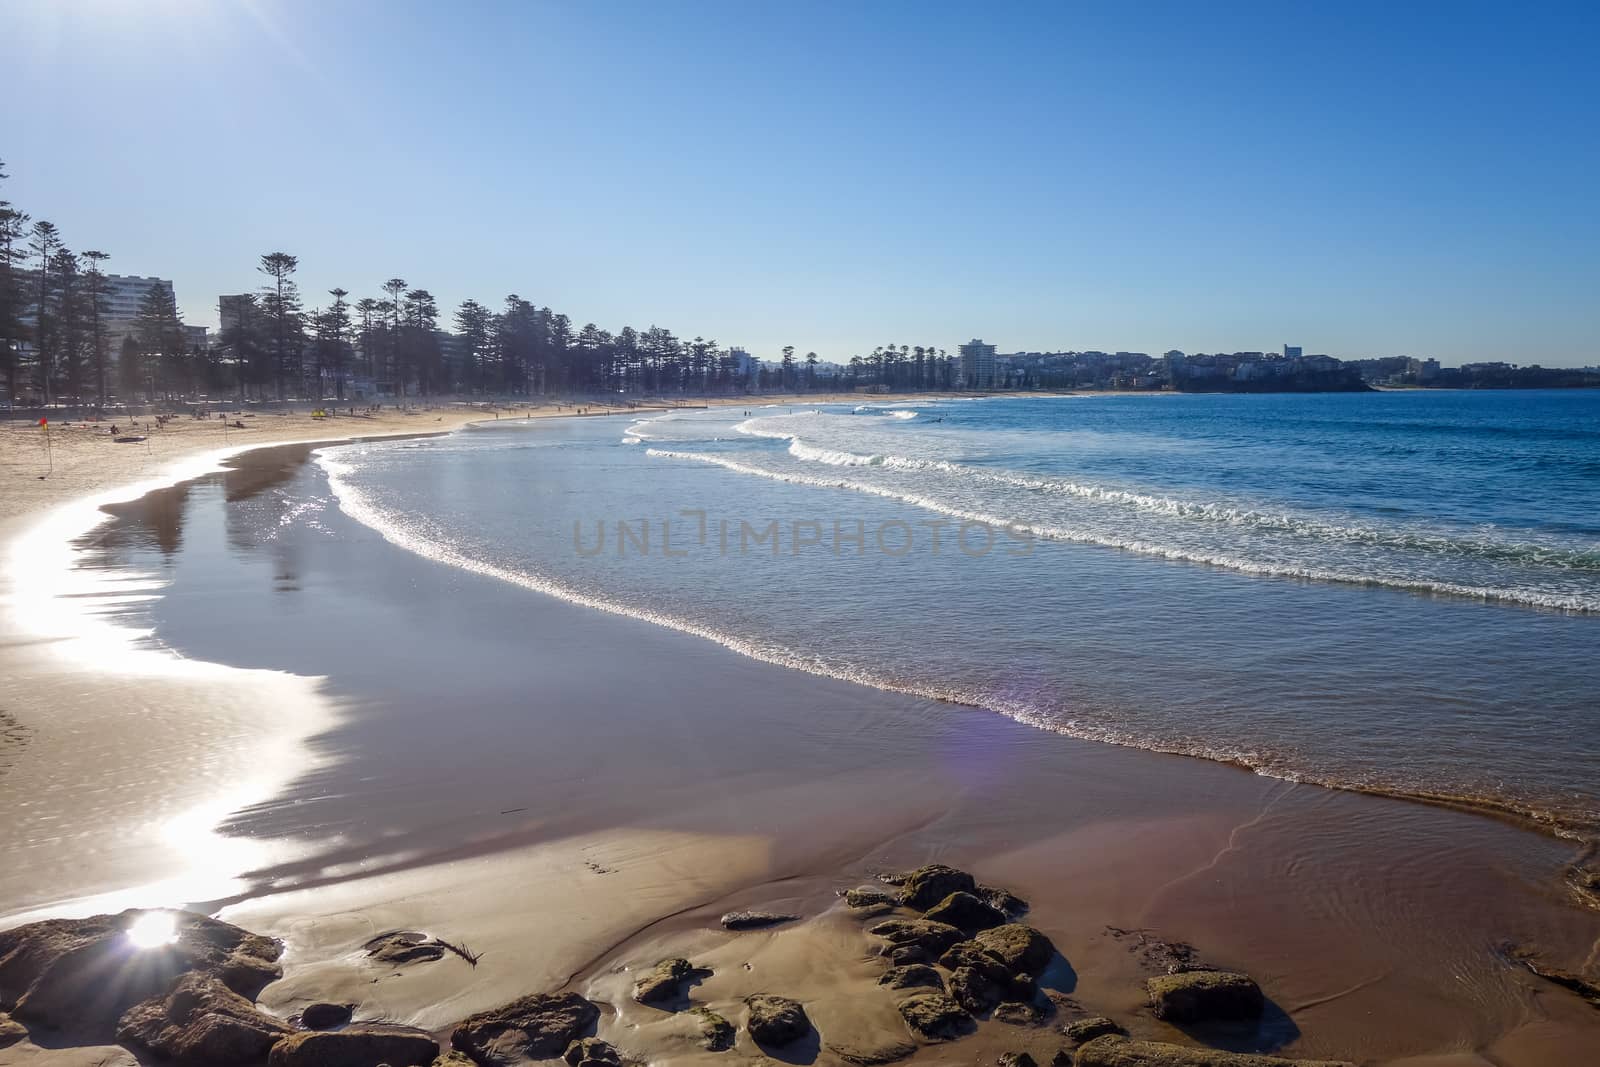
(155, 520)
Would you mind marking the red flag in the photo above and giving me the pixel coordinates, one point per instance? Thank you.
(43, 422)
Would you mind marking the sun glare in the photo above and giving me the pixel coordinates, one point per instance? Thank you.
(153, 929)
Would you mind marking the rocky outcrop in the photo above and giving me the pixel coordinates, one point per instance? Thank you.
(323, 1016)
(981, 976)
(11, 1031)
(966, 912)
(776, 1021)
(755, 920)
(912, 976)
(1016, 1059)
(538, 1027)
(665, 982)
(926, 886)
(592, 1052)
(358, 1046)
(201, 1022)
(934, 1017)
(931, 937)
(1021, 948)
(716, 1033)
(1120, 1052)
(405, 946)
(1197, 996)
(85, 973)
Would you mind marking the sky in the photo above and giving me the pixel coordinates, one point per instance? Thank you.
(1361, 180)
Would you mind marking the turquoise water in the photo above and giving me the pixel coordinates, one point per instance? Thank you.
(1395, 591)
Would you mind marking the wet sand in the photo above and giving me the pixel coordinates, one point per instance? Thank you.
(397, 744)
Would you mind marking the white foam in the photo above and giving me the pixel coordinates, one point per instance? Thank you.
(1574, 603)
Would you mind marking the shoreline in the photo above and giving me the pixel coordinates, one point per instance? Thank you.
(403, 893)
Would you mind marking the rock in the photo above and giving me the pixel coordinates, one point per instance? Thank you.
(404, 946)
(755, 920)
(364, 1045)
(1082, 1030)
(1021, 948)
(1023, 988)
(863, 1056)
(1157, 953)
(776, 1021)
(592, 1052)
(965, 912)
(11, 1031)
(1016, 1059)
(1112, 1051)
(537, 1027)
(1195, 996)
(716, 1033)
(973, 956)
(1018, 1013)
(934, 1017)
(912, 976)
(869, 897)
(54, 973)
(323, 1016)
(933, 938)
(1002, 900)
(905, 955)
(663, 983)
(454, 1059)
(974, 990)
(926, 886)
(201, 1021)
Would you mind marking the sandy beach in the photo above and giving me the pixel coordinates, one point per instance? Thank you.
(604, 805)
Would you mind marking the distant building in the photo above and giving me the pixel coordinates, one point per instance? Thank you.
(123, 294)
(744, 364)
(196, 337)
(120, 300)
(1292, 351)
(977, 365)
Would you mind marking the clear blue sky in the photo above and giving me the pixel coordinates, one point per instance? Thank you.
(1360, 180)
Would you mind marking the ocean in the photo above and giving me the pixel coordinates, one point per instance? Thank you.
(1397, 591)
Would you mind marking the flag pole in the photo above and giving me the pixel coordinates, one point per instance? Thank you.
(49, 453)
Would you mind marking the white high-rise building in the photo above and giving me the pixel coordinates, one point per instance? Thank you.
(121, 295)
(120, 298)
(977, 365)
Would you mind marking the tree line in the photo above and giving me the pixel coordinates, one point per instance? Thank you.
(55, 337)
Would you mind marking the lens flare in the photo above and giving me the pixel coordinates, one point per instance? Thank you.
(153, 929)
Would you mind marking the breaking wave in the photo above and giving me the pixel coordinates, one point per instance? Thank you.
(1300, 529)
